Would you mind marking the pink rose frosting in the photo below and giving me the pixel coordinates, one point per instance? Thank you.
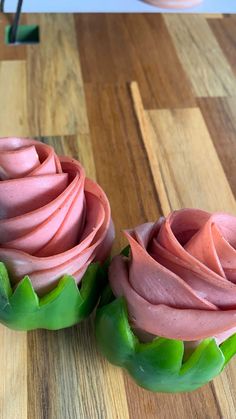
(180, 280)
(53, 220)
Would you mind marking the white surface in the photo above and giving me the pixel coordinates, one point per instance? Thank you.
(209, 6)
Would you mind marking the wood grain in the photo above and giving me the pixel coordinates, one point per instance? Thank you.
(73, 381)
(136, 99)
(225, 33)
(201, 55)
(213, 16)
(220, 117)
(148, 135)
(13, 115)
(201, 404)
(81, 148)
(14, 52)
(189, 162)
(13, 371)
(54, 72)
(133, 47)
(127, 178)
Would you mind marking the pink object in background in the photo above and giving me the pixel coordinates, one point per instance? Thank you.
(173, 4)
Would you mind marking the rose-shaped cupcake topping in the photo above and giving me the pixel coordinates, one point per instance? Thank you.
(53, 220)
(174, 4)
(180, 281)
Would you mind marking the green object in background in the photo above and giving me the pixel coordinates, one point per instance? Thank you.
(160, 365)
(26, 34)
(64, 306)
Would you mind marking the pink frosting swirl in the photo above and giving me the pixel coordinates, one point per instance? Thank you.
(53, 220)
(173, 4)
(180, 281)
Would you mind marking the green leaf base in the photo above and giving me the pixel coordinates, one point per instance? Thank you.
(64, 306)
(160, 365)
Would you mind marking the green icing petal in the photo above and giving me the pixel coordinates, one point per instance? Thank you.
(113, 333)
(24, 292)
(155, 366)
(160, 365)
(62, 307)
(229, 348)
(203, 365)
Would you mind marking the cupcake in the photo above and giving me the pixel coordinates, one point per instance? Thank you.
(171, 301)
(55, 233)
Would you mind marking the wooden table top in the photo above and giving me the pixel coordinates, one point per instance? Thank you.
(148, 104)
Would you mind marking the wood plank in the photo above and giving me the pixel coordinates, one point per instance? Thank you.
(73, 380)
(112, 59)
(225, 33)
(224, 390)
(189, 162)
(133, 47)
(13, 352)
(199, 404)
(149, 135)
(10, 52)
(69, 379)
(13, 371)
(189, 167)
(220, 117)
(56, 103)
(13, 115)
(160, 61)
(213, 15)
(81, 148)
(201, 56)
(121, 162)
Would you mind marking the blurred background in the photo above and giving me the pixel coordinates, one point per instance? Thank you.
(208, 6)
